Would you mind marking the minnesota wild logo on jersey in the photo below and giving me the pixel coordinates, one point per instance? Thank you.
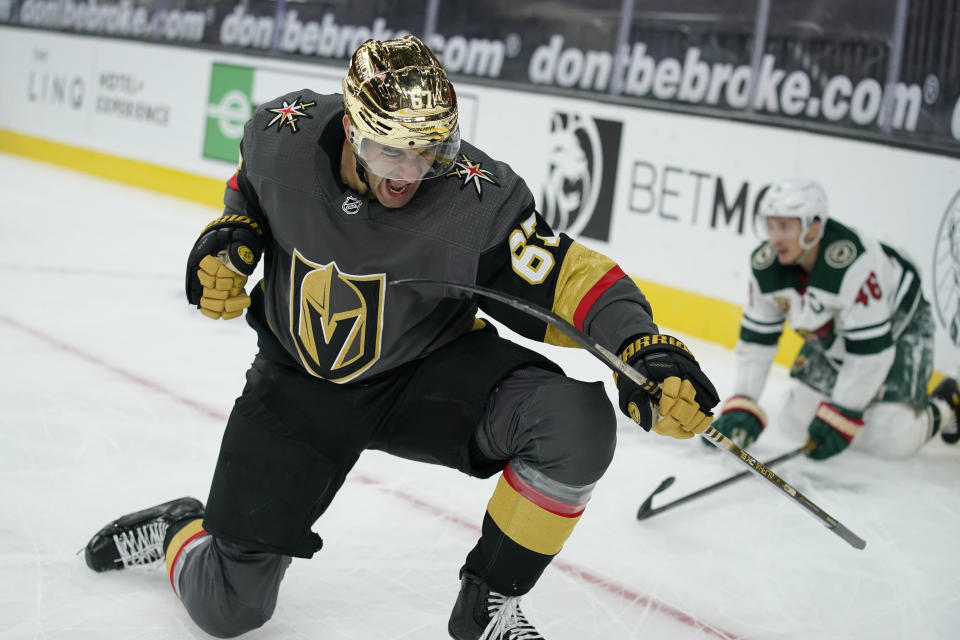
(335, 318)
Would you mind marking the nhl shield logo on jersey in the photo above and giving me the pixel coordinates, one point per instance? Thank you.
(351, 204)
(783, 303)
(335, 318)
(946, 270)
(287, 114)
(470, 172)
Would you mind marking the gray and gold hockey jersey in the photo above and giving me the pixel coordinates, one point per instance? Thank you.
(854, 305)
(329, 253)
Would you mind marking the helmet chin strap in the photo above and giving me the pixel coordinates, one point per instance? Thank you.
(361, 172)
(806, 247)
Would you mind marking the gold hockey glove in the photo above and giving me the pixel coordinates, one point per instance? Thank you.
(223, 294)
(687, 396)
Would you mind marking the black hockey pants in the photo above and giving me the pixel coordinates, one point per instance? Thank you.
(292, 439)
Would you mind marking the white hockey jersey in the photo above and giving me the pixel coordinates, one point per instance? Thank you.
(854, 304)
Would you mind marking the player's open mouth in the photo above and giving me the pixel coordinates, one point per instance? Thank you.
(398, 189)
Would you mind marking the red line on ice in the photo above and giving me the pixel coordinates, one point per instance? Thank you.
(566, 567)
(562, 565)
(120, 371)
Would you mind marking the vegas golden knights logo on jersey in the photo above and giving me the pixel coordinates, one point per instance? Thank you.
(335, 318)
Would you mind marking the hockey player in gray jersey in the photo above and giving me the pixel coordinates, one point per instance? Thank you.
(861, 375)
(340, 194)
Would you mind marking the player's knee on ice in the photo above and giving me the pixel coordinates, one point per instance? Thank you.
(894, 429)
(890, 429)
(228, 591)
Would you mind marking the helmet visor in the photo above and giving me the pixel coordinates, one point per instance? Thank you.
(781, 227)
(409, 164)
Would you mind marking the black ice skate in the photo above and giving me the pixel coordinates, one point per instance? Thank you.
(949, 392)
(481, 614)
(137, 539)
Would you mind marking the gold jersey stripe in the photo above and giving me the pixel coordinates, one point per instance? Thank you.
(527, 524)
(582, 268)
(193, 529)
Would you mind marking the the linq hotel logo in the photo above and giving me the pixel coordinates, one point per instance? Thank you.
(946, 270)
(581, 174)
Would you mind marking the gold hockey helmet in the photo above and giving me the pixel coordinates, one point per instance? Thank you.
(402, 110)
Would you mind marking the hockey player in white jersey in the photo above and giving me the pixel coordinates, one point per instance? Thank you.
(860, 378)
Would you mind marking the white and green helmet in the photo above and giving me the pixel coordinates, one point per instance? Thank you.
(797, 198)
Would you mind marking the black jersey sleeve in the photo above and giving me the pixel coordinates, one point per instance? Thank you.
(240, 198)
(554, 271)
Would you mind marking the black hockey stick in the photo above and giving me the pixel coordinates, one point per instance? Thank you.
(612, 361)
(647, 510)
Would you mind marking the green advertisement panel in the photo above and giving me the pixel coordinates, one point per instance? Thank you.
(229, 107)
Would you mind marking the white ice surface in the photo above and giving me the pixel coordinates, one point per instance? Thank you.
(114, 393)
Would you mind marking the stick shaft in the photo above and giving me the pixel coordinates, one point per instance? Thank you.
(756, 467)
(722, 483)
(612, 361)
(597, 350)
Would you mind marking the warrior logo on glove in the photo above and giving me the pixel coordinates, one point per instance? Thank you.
(687, 395)
(246, 255)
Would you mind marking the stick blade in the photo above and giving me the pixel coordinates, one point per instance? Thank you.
(646, 509)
